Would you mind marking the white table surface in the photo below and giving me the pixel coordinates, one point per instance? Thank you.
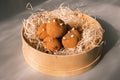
(14, 67)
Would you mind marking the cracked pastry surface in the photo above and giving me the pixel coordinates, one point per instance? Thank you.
(56, 28)
(71, 39)
(51, 44)
(41, 32)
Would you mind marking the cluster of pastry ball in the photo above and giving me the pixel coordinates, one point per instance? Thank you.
(56, 34)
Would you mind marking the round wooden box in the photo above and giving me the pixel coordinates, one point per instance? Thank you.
(61, 65)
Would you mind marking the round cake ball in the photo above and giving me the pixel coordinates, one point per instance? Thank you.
(76, 32)
(56, 28)
(42, 33)
(71, 39)
(51, 44)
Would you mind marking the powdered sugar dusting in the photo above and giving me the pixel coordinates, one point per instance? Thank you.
(72, 36)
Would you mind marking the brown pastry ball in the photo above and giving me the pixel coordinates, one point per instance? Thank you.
(71, 39)
(76, 32)
(56, 28)
(42, 33)
(51, 44)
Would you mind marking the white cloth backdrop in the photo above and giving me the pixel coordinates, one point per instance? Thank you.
(107, 12)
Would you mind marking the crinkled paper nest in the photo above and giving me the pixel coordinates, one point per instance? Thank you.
(92, 32)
